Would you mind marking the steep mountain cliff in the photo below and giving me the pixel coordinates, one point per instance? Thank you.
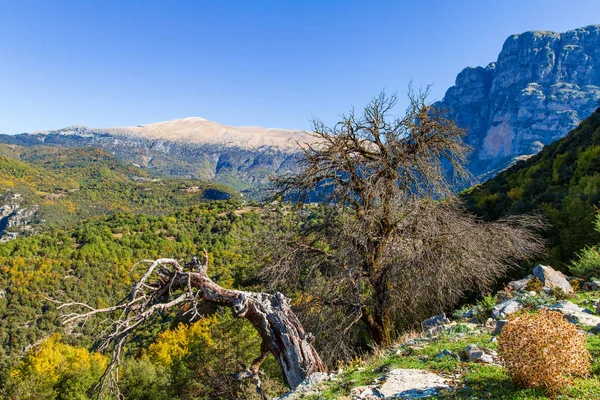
(542, 85)
(242, 157)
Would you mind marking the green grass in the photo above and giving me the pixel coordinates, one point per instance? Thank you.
(476, 381)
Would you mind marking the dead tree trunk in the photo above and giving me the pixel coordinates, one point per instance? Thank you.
(166, 284)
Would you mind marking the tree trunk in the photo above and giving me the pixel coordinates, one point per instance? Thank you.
(282, 334)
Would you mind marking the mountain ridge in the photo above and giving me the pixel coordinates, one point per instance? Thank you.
(541, 86)
(199, 131)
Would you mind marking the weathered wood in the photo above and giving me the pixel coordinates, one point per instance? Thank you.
(166, 284)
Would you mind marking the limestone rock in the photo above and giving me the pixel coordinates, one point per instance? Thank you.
(520, 284)
(412, 384)
(506, 308)
(430, 325)
(575, 314)
(364, 393)
(541, 86)
(475, 354)
(310, 386)
(552, 278)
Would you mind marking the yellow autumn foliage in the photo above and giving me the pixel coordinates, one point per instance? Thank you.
(52, 364)
(175, 343)
(52, 358)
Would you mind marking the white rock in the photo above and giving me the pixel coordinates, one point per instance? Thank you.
(575, 314)
(412, 384)
(552, 278)
(504, 309)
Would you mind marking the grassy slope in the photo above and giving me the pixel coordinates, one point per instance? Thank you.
(475, 380)
(562, 182)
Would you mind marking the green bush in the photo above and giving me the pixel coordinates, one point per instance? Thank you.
(483, 310)
(588, 259)
(587, 264)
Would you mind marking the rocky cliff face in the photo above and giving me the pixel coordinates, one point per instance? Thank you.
(542, 85)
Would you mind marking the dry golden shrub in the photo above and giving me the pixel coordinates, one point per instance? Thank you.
(535, 285)
(543, 350)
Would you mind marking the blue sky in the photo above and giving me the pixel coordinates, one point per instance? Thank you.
(268, 63)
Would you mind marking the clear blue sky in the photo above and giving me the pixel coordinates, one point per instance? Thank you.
(270, 63)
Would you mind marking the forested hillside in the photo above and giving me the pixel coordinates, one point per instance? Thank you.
(562, 183)
(92, 262)
(56, 187)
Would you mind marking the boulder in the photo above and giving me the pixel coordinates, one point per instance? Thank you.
(412, 384)
(473, 352)
(506, 308)
(476, 354)
(432, 324)
(364, 393)
(575, 314)
(552, 278)
(594, 284)
(520, 284)
(309, 387)
(447, 354)
(565, 306)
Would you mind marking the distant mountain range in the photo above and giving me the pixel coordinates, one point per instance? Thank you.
(542, 85)
(242, 157)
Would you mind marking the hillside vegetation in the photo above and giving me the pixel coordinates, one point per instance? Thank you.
(562, 183)
(66, 185)
(92, 262)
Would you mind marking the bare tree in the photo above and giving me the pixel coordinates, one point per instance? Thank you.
(388, 249)
(165, 285)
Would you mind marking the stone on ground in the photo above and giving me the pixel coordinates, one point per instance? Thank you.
(432, 324)
(412, 384)
(552, 278)
(575, 314)
(504, 309)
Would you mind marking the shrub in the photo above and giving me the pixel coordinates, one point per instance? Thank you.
(483, 311)
(560, 294)
(588, 260)
(543, 351)
(460, 313)
(576, 284)
(587, 264)
(534, 285)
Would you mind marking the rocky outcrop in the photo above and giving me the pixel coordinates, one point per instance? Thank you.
(14, 218)
(542, 85)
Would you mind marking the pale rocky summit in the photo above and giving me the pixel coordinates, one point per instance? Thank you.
(542, 85)
(243, 157)
(202, 131)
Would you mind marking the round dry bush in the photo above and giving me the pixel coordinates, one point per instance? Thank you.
(543, 350)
